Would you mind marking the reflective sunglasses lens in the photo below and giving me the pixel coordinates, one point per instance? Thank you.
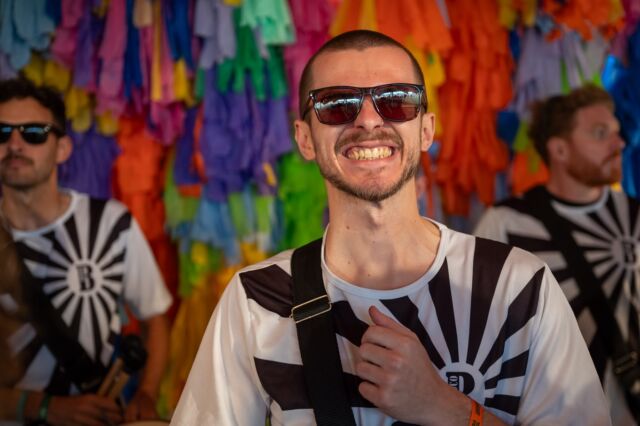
(337, 105)
(398, 102)
(5, 133)
(35, 134)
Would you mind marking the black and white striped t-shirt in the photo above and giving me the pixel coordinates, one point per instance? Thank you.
(90, 262)
(491, 317)
(608, 232)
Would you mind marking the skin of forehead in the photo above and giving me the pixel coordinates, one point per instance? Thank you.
(372, 66)
(594, 115)
(16, 111)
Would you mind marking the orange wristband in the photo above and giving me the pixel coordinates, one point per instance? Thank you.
(477, 410)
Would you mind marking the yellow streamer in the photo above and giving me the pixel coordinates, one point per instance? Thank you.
(34, 70)
(56, 76)
(368, 19)
(107, 123)
(156, 54)
(78, 107)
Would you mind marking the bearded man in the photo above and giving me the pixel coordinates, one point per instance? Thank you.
(586, 232)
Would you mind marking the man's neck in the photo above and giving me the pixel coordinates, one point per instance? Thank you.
(28, 210)
(569, 189)
(383, 245)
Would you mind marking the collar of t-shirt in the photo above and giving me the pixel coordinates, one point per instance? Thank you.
(573, 207)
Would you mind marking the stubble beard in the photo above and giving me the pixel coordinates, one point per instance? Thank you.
(366, 193)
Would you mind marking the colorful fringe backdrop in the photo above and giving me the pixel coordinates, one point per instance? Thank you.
(182, 110)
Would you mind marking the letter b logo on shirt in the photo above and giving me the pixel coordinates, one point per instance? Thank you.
(462, 381)
(85, 277)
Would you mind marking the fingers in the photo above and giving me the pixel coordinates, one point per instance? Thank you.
(87, 420)
(111, 418)
(385, 321)
(131, 413)
(80, 419)
(386, 344)
(369, 372)
(101, 410)
(387, 332)
(395, 368)
(369, 391)
(89, 410)
(378, 365)
(141, 407)
(374, 354)
(104, 404)
(147, 411)
(380, 396)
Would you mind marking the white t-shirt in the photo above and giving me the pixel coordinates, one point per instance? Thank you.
(608, 232)
(90, 262)
(492, 318)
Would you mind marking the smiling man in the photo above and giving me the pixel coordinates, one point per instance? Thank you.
(84, 260)
(588, 234)
(428, 326)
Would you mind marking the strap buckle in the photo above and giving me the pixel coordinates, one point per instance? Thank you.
(625, 362)
(310, 309)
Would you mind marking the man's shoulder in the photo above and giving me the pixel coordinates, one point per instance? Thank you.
(487, 251)
(93, 203)
(511, 212)
(623, 196)
(269, 283)
(272, 274)
(103, 211)
(522, 202)
(281, 260)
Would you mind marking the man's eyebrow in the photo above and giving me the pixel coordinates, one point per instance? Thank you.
(615, 125)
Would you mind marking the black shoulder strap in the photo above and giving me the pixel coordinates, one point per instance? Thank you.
(625, 359)
(74, 361)
(320, 357)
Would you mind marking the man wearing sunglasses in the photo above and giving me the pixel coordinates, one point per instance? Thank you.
(433, 327)
(82, 260)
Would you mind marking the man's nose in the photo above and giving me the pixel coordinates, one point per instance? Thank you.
(368, 118)
(15, 141)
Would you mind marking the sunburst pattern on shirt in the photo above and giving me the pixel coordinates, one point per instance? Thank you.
(609, 239)
(475, 357)
(80, 269)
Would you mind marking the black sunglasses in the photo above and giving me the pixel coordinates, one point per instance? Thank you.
(32, 133)
(341, 104)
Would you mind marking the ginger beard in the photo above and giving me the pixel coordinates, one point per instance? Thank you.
(608, 172)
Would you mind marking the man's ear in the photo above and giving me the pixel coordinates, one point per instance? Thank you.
(558, 150)
(427, 130)
(64, 149)
(304, 139)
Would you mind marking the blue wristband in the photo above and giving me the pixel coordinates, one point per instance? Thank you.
(20, 407)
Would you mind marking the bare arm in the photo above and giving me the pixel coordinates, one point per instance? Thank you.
(155, 333)
(92, 409)
(62, 410)
(10, 398)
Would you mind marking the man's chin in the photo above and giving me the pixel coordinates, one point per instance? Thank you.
(605, 181)
(614, 176)
(371, 193)
(16, 184)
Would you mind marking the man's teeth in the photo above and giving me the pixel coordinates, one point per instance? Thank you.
(369, 153)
